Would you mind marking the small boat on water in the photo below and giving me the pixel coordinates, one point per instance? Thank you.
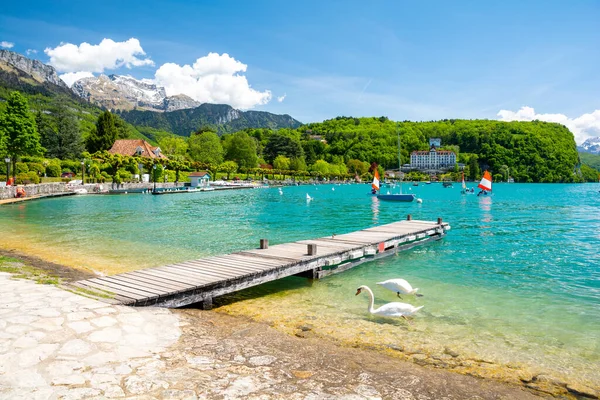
(485, 184)
(399, 196)
(375, 183)
(463, 185)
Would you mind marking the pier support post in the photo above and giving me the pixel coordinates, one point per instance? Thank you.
(207, 303)
(264, 243)
(439, 221)
(310, 274)
(312, 249)
(409, 217)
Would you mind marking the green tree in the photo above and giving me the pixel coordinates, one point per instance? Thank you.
(281, 145)
(104, 135)
(298, 164)
(321, 167)
(62, 139)
(474, 170)
(206, 148)
(357, 167)
(18, 128)
(229, 167)
(241, 148)
(174, 147)
(281, 163)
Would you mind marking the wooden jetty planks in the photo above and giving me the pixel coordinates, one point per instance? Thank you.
(199, 280)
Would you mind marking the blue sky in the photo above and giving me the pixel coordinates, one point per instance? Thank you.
(406, 60)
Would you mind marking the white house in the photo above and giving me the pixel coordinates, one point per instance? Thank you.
(200, 179)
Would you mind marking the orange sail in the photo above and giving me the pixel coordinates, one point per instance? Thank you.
(486, 181)
(375, 184)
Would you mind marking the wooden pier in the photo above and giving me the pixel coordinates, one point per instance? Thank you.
(199, 281)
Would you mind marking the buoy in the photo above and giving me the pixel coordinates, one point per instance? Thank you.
(419, 200)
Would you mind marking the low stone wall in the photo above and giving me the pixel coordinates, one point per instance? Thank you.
(9, 192)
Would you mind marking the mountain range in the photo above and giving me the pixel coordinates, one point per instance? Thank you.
(591, 145)
(140, 103)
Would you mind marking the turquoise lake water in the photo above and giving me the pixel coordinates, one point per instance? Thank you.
(516, 279)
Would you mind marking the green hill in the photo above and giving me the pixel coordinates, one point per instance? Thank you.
(533, 151)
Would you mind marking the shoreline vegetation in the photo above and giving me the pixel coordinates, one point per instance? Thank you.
(509, 376)
(341, 147)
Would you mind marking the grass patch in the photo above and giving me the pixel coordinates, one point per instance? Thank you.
(91, 293)
(21, 271)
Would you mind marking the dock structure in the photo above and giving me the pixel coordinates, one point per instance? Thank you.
(199, 281)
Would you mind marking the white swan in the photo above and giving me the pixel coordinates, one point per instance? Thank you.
(399, 286)
(390, 309)
(280, 191)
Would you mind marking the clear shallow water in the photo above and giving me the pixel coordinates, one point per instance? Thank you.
(516, 280)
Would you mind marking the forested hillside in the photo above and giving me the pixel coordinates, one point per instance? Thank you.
(221, 117)
(529, 151)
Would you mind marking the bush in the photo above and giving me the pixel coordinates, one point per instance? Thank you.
(27, 178)
(124, 175)
(22, 168)
(36, 167)
(53, 170)
(104, 176)
(171, 176)
(70, 166)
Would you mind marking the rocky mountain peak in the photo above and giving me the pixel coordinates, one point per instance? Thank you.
(121, 92)
(179, 102)
(591, 145)
(38, 70)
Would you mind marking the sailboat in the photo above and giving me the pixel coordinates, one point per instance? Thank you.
(375, 183)
(464, 185)
(400, 196)
(486, 183)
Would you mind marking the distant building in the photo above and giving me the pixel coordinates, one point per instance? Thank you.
(199, 179)
(136, 147)
(433, 159)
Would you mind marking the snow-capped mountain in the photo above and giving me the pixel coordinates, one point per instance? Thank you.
(591, 145)
(127, 93)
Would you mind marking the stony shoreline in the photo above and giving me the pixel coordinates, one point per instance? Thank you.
(57, 344)
(88, 348)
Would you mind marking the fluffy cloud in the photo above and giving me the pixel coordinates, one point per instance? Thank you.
(584, 126)
(108, 54)
(6, 45)
(30, 51)
(281, 98)
(212, 79)
(71, 77)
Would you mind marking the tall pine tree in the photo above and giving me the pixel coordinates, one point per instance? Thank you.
(104, 134)
(60, 133)
(19, 130)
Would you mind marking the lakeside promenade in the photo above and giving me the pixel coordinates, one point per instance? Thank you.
(57, 344)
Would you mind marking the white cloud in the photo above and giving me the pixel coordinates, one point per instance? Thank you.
(68, 57)
(584, 126)
(30, 51)
(281, 98)
(7, 45)
(212, 79)
(71, 77)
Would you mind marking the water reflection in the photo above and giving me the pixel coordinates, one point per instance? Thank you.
(375, 209)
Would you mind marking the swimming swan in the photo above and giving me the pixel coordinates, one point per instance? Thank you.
(399, 286)
(390, 309)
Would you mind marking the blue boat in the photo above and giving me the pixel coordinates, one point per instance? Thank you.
(397, 197)
(400, 196)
